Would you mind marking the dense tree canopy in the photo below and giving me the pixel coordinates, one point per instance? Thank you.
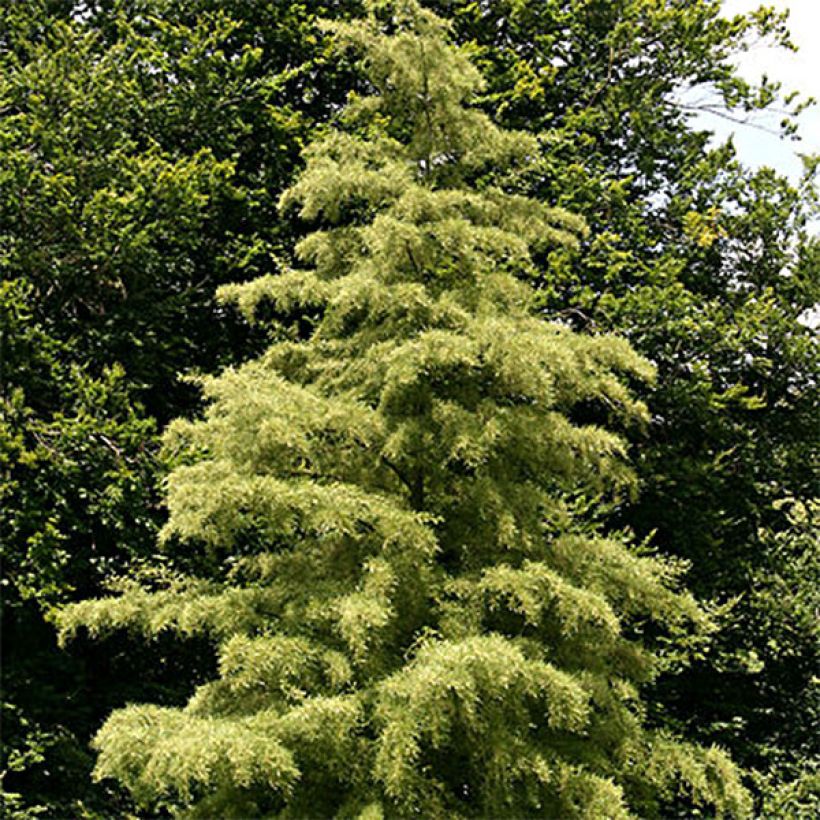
(143, 147)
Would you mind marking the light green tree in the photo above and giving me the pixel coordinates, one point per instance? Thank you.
(409, 619)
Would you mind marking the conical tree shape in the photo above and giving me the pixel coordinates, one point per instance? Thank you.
(408, 622)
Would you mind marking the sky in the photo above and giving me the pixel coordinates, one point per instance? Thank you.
(800, 71)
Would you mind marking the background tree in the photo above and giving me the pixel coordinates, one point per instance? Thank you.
(407, 619)
(142, 147)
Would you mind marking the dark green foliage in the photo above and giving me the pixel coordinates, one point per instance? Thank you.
(77, 465)
(141, 148)
(77, 458)
(140, 162)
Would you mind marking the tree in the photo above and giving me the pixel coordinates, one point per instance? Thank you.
(408, 616)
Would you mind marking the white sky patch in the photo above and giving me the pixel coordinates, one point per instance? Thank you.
(798, 72)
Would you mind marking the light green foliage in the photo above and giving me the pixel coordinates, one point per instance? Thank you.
(407, 619)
